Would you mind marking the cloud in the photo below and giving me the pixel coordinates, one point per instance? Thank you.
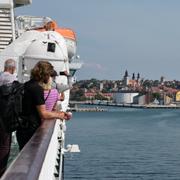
(95, 66)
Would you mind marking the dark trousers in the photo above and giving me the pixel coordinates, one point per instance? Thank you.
(5, 146)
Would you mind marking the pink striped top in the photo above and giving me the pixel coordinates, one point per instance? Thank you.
(52, 98)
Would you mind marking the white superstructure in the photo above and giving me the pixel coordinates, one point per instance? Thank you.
(25, 40)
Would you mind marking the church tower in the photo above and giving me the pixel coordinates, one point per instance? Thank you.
(133, 76)
(138, 78)
(126, 78)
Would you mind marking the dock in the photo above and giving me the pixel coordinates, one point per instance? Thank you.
(89, 109)
(105, 104)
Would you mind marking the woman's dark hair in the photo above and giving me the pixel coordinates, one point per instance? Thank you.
(54, 74)
(42, 71)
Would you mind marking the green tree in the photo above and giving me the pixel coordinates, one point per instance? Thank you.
(156, 95)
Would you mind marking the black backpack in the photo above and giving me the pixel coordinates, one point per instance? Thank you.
(11, 96)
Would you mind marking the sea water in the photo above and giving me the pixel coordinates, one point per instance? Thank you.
(124, 144)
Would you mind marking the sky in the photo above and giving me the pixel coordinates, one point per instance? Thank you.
(118, 35)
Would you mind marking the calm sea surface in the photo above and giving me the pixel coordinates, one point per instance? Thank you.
(124, 144)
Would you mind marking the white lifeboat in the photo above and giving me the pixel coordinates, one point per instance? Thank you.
(67, 33)
(51, 47)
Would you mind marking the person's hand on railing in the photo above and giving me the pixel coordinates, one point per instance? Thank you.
(68, 115)
(64, 115)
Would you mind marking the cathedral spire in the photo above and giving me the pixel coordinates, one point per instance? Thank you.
(133, 76)
(138, 76)
(126, 74)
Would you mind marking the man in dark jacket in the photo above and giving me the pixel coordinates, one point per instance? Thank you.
(6, 77)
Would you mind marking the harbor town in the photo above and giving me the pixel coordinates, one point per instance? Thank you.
(129, 91)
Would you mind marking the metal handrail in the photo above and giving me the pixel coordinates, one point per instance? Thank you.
(28, 164)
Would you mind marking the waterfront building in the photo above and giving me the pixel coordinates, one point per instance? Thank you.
(90, 95)
(108, 96)
(115, 85)
(167, 100)
(140, 99)
(178, 96)
(94, 95)
(101, 86)
(124, 97)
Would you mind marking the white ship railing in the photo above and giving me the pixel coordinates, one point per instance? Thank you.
(42, 156)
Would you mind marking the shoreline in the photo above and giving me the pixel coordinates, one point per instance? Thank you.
(149, 106)
(79, 109)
